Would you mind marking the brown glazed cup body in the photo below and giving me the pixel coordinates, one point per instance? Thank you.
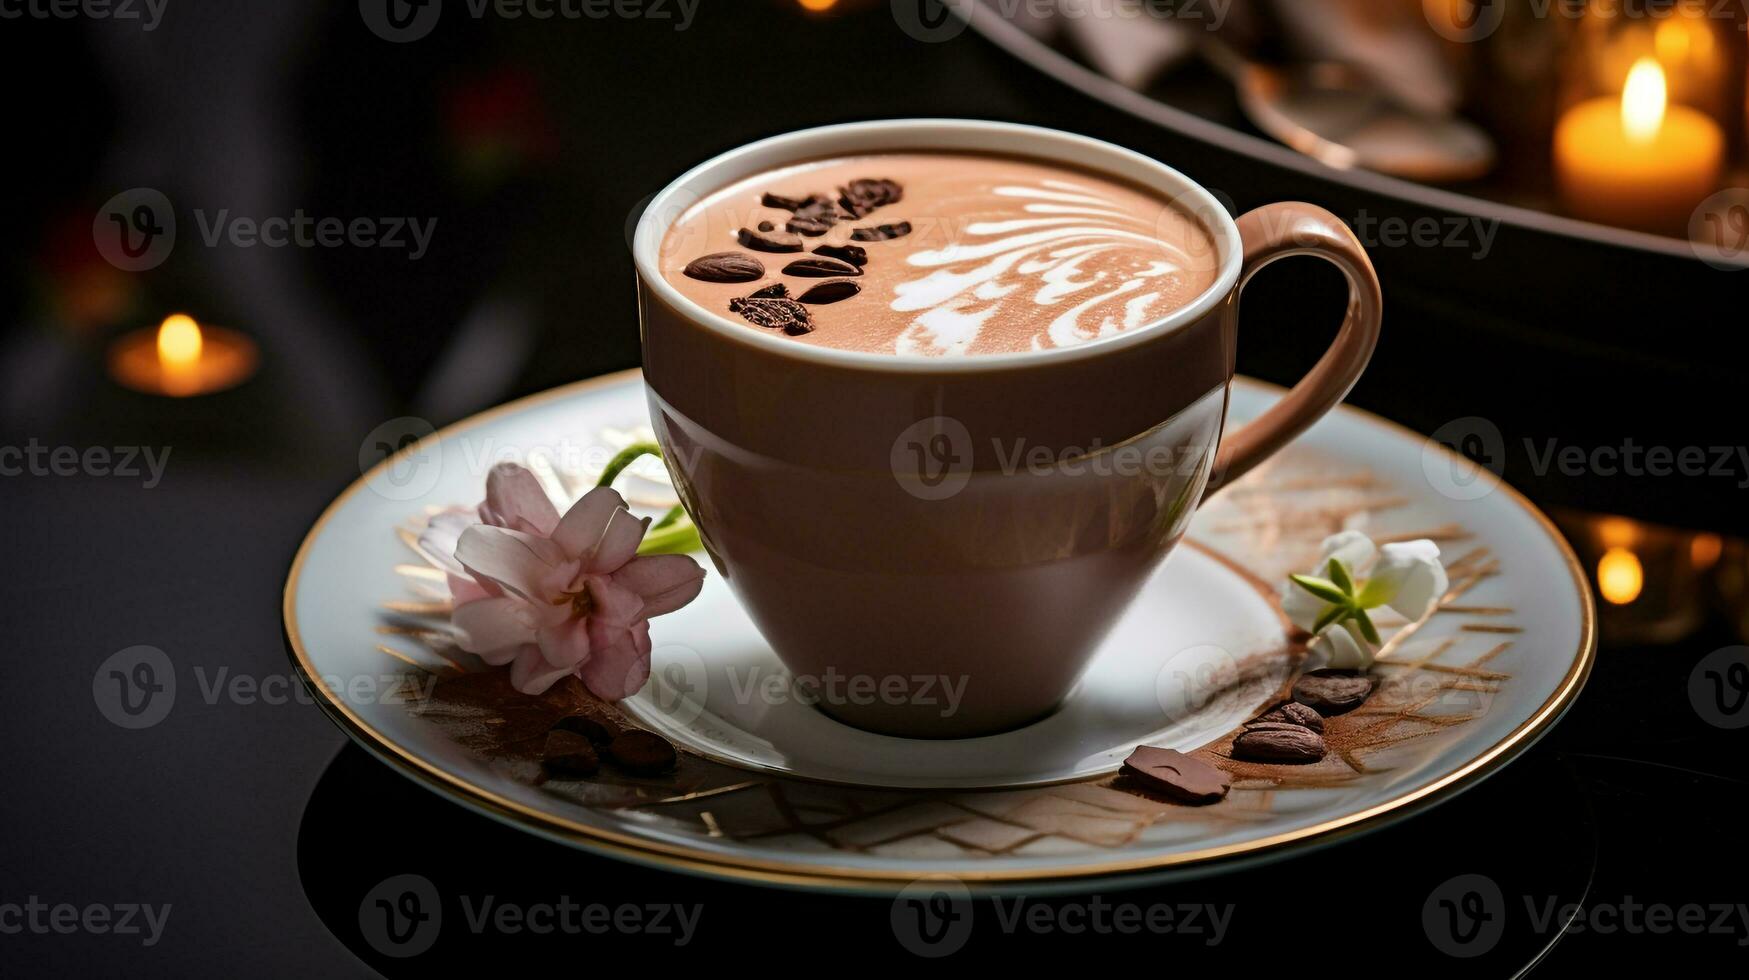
(895, 524)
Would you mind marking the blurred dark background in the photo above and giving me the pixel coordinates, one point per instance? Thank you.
(532, 145)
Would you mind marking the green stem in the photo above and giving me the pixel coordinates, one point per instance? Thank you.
(624, 458)
(674, 534)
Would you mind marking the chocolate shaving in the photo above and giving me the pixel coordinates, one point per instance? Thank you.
(768, 241)
(860, 197)
(776, 290)
(767, 226)
(725, 267)
(854, 254)
(881, 233)
(774, 313)
(830, 292)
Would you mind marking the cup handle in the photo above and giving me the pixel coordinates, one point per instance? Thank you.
(1276, 231)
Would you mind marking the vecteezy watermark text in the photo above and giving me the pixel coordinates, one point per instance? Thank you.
(35, 916)
(147, 13)
(934, 917)
(35, 459)
(402, 21)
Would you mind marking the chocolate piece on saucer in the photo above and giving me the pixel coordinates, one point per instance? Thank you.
(569, 755)
(1333, 693)
(1274, 742)
(1294, 713)
(1179, 776)
(641, 752)
(585, 726)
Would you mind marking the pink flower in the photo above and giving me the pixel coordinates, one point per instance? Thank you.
(553, 595)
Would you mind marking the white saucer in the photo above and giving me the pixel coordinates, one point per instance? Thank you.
(776, 791)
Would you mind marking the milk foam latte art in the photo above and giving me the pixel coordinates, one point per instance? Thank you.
(938, 254)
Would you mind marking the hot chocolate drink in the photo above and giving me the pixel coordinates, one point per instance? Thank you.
(938, 254)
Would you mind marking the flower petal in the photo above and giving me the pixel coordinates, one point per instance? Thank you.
(565, 644)
(466, 588)
(511, 558)
(665, 582)
(613, 604)
(618, 544)
(580, 529)
(492, 624)
(620, 669)
(1409, 578)
(437, 541)
(1351, 548)
(1341, 647)
(515, 499)
(531, 674)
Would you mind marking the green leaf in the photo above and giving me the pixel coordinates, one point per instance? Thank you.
(675, 513)
(1373, 594)
(1367, 629)
(1329, 616)
(1339, 576)
(624, 458)
(675, 539)
(1322, 588)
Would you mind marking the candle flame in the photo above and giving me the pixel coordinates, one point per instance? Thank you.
(1619, 576)
(179, 341)
(1643, 100)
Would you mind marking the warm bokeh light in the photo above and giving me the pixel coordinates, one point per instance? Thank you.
(1643, 100)
(1705, 549)
(179, 341)
(817, 6)
(1619, 576)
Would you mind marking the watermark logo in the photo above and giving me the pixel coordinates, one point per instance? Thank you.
(135, 230)
(410, 460)
(1191, 678)
(932, 917)
(1718, 231)
(1719, 687)
(135, 688)
(147, 13)
(1464, 21)
(931, 21)
(1475, 445)
(932, 458)
(400, 21)
(401, 916)
(1465, 916)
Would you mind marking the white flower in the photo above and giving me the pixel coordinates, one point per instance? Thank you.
(1332, 601)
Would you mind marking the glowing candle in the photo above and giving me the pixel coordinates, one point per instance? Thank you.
(1637, 161)
(182, 358)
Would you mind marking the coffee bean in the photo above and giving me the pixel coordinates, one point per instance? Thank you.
(642, 752)
(860, 197)
(725, 267)
(768, 241)
(1184, 778)
(569, 755)
(1294, 713)
(881, 233)
(585, 726)
(1279, 743)
(830, 292)
(820, 268)
(854, 254)
(775, 313)
(1333, 693)
(776, 290)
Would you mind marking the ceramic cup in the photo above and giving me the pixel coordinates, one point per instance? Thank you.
(899, 525)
